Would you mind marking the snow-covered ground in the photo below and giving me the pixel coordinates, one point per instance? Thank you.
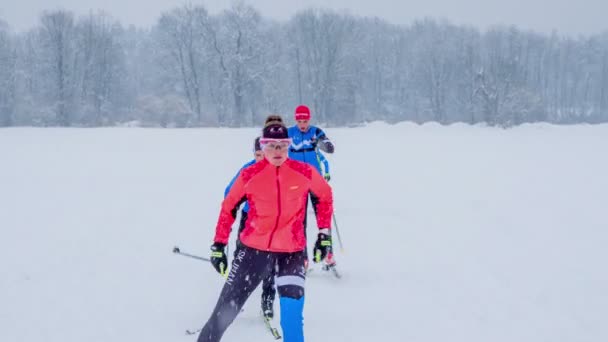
(455, 233)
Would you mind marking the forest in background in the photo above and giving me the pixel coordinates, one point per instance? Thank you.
(193, 69)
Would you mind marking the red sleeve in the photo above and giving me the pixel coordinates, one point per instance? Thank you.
(325, 207)
(232, 200)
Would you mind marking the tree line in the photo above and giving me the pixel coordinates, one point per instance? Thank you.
(232, 69)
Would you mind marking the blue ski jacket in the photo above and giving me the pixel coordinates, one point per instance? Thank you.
(304, 146)
(229, 186)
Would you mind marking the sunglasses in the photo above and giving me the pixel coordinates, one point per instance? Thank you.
(275, 144)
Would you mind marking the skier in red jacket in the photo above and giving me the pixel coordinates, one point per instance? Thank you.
(276, 189)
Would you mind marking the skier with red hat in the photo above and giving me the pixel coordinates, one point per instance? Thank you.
(306, 141)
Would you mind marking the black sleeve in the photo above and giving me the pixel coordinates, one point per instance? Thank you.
(324, 143)
(235, 210)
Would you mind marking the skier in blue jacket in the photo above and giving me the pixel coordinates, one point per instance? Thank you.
(307, 140)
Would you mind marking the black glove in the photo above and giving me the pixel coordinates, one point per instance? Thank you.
(322, 247)
(327, 177)
(218, 258)
(326, 145)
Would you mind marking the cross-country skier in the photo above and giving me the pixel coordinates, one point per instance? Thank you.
(305, 145)
(268, 286)
(275, 188)
(268, 290)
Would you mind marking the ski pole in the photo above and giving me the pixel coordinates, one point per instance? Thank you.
(190, 332)
(338, 233)
(177, 251)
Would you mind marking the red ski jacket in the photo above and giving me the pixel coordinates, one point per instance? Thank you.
(277, 199)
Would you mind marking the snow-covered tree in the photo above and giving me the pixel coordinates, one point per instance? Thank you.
(58, 43)
(8, 61)
(101, 68)
(233, 68)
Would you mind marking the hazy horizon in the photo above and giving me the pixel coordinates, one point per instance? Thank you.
(544, 16)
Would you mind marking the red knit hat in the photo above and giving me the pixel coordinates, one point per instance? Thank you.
(302, 113)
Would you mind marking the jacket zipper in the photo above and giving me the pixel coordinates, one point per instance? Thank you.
(276, 225)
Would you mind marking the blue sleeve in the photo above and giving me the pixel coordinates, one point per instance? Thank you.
(323, 160)
(229, 186)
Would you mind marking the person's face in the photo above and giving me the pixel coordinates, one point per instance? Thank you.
(276, 151)
(303, 125)
(259, 155)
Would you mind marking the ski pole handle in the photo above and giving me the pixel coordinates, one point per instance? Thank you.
(177, 251)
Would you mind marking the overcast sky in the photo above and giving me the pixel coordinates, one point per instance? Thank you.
(566, 16)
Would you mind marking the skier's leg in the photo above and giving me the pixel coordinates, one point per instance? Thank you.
(290, 281)
(249, 267)
(268, 294)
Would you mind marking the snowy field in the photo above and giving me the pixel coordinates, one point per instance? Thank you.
(455, 233)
